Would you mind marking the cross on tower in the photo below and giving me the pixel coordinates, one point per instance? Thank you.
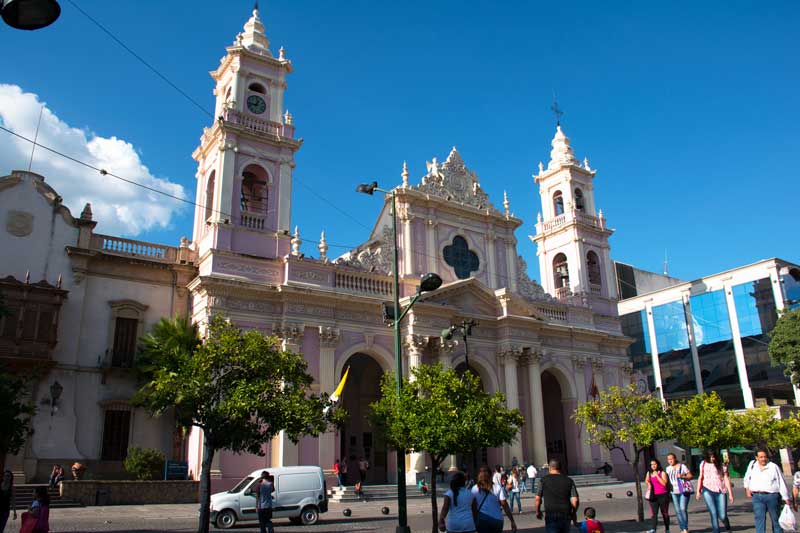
(555, 109)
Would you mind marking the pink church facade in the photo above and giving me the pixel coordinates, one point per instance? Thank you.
(543, 347)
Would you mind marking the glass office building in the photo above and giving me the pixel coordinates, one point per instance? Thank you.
(711, 334)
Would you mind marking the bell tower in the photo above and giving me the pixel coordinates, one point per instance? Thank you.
(571, 234)
(246, 157)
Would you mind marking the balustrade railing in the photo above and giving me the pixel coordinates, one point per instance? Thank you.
(149, 250)
(253, 221)
(553, 313)
(363, 283)
(595, 288)
(569, 216)
(562, 293)
(258, 125)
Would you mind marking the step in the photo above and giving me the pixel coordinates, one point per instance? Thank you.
(24, 496)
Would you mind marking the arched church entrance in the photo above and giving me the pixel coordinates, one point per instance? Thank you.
(358, 437)
(471, 461)
(555, 432)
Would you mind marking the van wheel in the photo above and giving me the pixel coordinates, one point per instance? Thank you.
(310, 516)
(226, 519)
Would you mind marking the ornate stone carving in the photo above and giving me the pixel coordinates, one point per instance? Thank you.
(597, 364)
(376, 257)
(578, 362)
(452, 180)
(290, 333)
(243, 305)
(415, 344)
(328, 336)
(528, 288)
(302, 309)
(19, 223)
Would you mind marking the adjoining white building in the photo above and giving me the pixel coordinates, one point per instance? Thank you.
(710, 334)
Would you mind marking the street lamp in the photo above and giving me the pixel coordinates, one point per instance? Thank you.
(466, 330)
(429, 282)
(29, 14)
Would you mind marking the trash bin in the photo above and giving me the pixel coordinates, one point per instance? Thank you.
(101, 497)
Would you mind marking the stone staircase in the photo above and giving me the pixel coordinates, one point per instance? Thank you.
(24, 497)
(389, 492)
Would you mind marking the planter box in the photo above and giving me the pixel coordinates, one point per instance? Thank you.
(101, 492)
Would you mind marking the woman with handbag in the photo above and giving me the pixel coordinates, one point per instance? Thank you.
(680, 479)
(492, 503)
(658, 489)
(714, 484)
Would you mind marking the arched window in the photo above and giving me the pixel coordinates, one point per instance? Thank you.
(257, 88)
(579, 203)
(255, 194)
(558, 203)
(560, 271)
(593, 269)
(209, 201)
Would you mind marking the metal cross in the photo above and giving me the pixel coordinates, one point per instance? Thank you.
(556, 111)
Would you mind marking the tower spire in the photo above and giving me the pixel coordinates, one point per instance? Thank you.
(254, 38)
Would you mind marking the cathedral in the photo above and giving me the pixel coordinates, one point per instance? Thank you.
(80, 300)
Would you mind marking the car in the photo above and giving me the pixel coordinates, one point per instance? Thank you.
(301, 495)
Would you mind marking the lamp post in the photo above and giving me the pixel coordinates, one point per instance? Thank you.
(29, 14)
(466, 330)
(429, 282)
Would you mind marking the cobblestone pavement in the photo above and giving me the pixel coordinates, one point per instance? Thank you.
(617, 515)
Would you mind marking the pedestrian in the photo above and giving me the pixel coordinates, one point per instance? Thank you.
(343, 466)
(523, 480)
(658, 494)
(514, 462)
(264, 502)
(8, 498)
(589, 524)
(795, 488)
(532, 473)
(360, 491)
(682, 489)
(497, 477)
(714, 484)
(363, 466)
(423, 486)
(337, 469)
(56, 476)
(492, 503)
(560, 498)
(37, 518)
(764, 483)
(515, 496)
(458, 509)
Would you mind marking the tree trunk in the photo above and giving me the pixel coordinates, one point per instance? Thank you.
(434, 508)
(639, 500)
(205, 485)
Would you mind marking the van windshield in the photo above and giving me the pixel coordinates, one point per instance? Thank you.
(241, 485)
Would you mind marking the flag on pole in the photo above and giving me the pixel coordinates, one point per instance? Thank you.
(338, 392)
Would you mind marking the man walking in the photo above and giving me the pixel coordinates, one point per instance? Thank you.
(363, 466)
(264, 502)
(764, 483)
(561, 499)
(532, 472)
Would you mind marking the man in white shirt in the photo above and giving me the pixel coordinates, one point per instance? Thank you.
(532, 476)
(764, 483)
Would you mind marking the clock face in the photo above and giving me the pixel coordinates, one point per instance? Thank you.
(256, 104)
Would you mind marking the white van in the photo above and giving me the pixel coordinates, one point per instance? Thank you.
(300, 495)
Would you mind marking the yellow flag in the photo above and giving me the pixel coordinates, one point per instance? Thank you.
(338, 392)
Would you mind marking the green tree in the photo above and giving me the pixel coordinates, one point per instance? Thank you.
(238, 387)
(702, 421)
(759, 428)
(784, 344)
(16, 413)
(441, 413)
(623, 415)
(144, 463)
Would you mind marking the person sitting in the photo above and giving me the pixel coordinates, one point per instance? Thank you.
(423, 486)
(56, 476)
(606, 469)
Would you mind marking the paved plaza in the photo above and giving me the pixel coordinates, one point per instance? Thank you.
(616, 514)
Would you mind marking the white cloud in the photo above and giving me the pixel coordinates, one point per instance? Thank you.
(120, 208)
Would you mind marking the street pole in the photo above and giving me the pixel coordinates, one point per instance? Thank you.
(402, 511)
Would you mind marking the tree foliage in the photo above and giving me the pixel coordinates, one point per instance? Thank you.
(784, 344)
(620, 416)
(702, 421)
(144, 463)
(441, 413)
(238, 386)
(16, 412)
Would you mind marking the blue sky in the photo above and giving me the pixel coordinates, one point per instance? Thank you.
(688, 110)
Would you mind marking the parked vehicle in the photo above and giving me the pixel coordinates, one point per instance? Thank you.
(300, 495)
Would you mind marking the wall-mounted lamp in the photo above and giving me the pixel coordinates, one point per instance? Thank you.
(55, 394)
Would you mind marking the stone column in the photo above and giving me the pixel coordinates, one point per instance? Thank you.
(284, 451)
(445, 353)
(328, 339)
(408, 241)
(741, 365)
(491, 262)
(511, 263)
(537, 410)
(285, 196)
(508, 358)
(599, 380)
(580, 378)
(651, 329)
(414, 348)
(430, 244)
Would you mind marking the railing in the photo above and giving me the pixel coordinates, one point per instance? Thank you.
(363, 283)
(553, 223)
(118, 245)
(569, 216)
(562, 293)
(595, 288)
(553, 313)
(253, 221)
(258, 125)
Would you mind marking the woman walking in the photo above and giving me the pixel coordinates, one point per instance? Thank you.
(714, 484)
(492, 503)
(657, 482)
(37, 520)
(7, 499)
(459, 509)
(515, 494)
(682, 488)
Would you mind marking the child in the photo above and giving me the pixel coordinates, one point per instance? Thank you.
(589, 524)
(360, 491)
(423, 486)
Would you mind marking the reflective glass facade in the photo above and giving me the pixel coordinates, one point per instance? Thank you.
(791, 289)
(635, 325)
(674, 354)
(712, 331)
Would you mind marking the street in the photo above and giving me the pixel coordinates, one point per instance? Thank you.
(617, 515)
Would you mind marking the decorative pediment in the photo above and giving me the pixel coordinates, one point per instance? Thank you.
(452, 180)
(470, 297)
